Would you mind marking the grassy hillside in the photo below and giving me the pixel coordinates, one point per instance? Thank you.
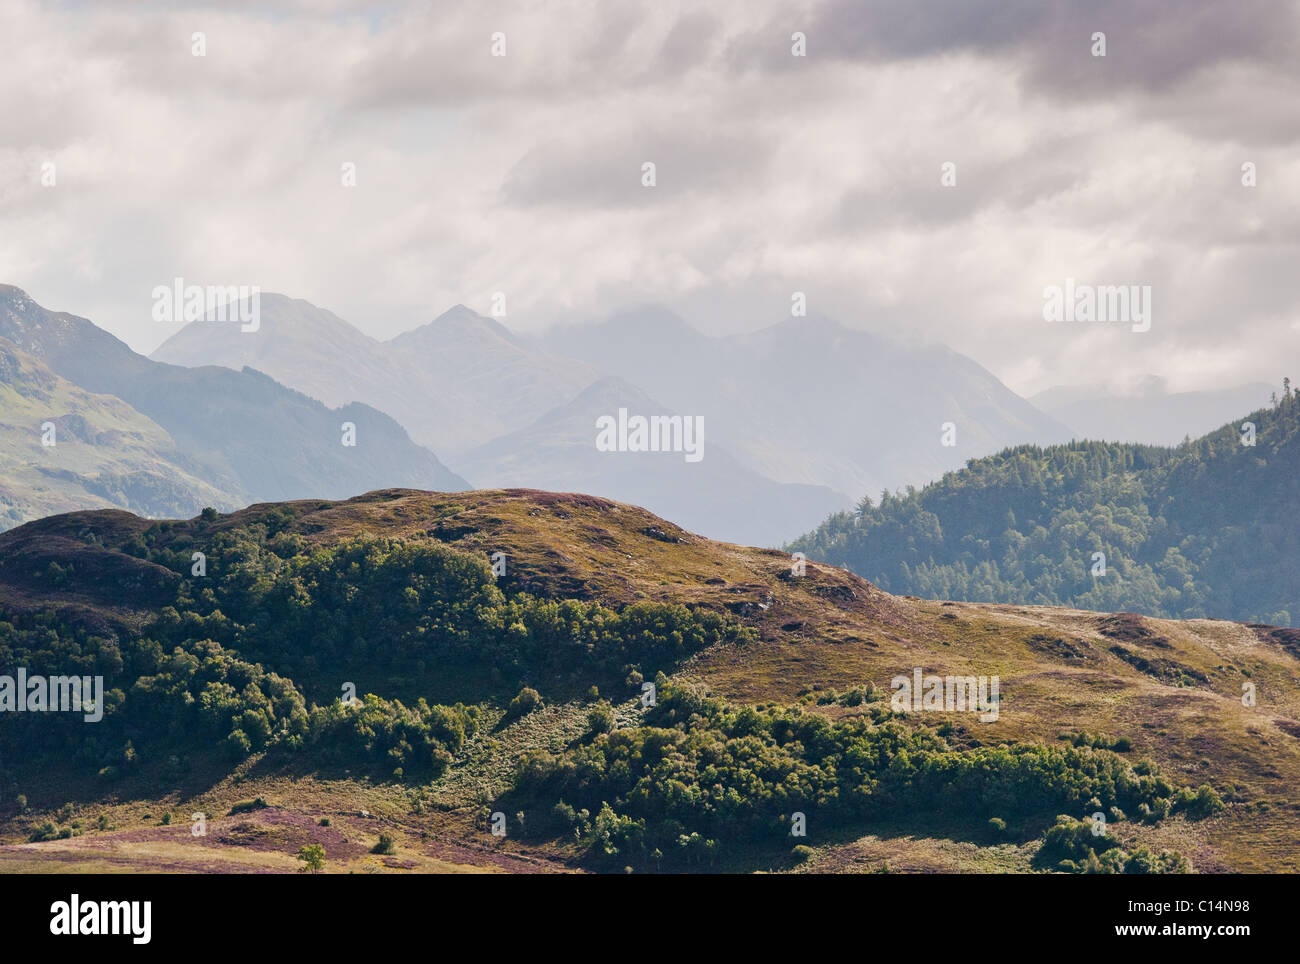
(1204, 529)
(521, 696)
(248, 435)
(105, 452)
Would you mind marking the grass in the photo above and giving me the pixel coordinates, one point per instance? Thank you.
(829, 630)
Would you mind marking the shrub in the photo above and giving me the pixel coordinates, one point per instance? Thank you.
(385, 845)
(247, 806)
(1199, 803)
(238, 745)
(46, 831)
(526, 702)
(313, 858)
(600, 719)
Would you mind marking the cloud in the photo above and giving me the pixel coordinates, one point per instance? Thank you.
(522, 174)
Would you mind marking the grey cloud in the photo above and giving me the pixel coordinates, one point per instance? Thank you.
(605, 170)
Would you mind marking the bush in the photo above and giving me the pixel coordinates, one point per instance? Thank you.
(600, 719)
(247, 806)
(46, 831)
(313, 858)
(997, 825)
(385, 845)
(801, 853)
(526, 702)
(1199, 803)
(238, 745)
(696, 769)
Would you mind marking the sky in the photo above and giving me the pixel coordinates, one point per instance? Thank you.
(774, 173)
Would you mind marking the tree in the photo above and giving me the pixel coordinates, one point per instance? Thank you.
(523, 704)
(313, 858)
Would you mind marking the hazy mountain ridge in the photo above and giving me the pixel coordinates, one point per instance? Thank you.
(243, 433)
(717, 493)
(105, 453)
(808, 400)
(453, 383)
(1149, 414)
(783, 406)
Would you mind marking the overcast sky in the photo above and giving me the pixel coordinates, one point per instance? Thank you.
(775, 173)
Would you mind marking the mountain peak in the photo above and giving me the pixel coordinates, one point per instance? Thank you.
(458, 321)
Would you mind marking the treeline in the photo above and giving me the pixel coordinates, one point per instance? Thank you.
(252, 656)
(1207, 529)
(701, 779)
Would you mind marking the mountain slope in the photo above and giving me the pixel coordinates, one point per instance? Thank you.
(715, 494)
(254, 438)
(453, 383)
(228, 703)
(1206, 529)
(104, 453)
(810, 401)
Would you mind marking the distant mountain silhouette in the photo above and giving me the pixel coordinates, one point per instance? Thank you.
(808, 400)
(453, 383)
(1151, 415)
(244, 433)
(717, 493)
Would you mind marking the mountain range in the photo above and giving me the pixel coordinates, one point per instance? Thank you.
(230, 437)
(801, 417)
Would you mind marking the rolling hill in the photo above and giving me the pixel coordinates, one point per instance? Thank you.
(104, 452)
(351, 674)
(1205, 529)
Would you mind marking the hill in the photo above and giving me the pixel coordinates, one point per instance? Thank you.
(517, 704)
(104, 452)
(242, 433)
(1204, 529)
